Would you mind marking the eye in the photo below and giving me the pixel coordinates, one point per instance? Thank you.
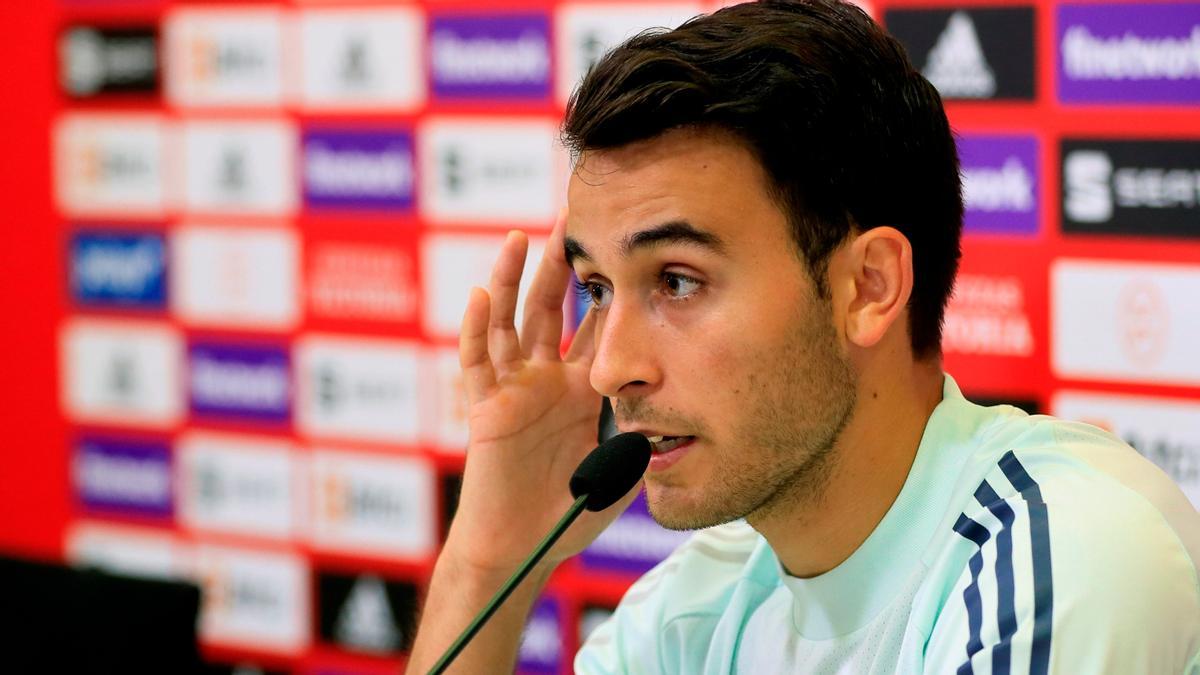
(679, 285)
(589, 291)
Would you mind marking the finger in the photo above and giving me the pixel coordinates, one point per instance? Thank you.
(542, 328)
(503, 344)
(583, 343)
(478, 375)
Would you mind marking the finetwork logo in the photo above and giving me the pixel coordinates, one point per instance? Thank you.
(634, 543)
(362, 58)
(240, 381)
(988, 315)
(542, 641)
(110, 164)
(240, 485)
(125, 477)
(984, 53)
(1133, 187)
(219, 57)
(123, 372)
(489, 56)
(122, 269)
(366, 613)
(358, 169)
(362, 282)
(1129, 52)
(1000, 186)
(372, 504)
(97, 60)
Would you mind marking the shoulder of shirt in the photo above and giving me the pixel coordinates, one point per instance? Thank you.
(699, 576)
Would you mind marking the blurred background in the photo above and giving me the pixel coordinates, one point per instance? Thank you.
(239, 238)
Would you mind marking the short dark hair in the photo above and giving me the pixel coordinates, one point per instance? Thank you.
(850, 135)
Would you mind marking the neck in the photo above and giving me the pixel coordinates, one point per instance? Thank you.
(813, 532)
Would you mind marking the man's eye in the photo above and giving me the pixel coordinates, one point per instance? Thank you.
(679, 285)
(594, 293)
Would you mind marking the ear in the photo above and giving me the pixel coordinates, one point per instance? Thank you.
(877, 278)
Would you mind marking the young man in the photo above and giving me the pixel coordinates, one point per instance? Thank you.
(765, 214)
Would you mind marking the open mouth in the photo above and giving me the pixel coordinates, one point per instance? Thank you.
(661, 444)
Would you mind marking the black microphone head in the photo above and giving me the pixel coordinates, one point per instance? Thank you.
(611, 470)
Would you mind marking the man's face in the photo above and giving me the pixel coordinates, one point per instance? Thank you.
(709, 330)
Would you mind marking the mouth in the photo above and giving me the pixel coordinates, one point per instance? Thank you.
(663, 444)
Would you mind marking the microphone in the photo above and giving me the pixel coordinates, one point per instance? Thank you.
(608, 473)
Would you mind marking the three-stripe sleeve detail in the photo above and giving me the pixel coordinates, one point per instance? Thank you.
(1043, 582)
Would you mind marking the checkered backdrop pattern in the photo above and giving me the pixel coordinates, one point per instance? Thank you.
(272, 213)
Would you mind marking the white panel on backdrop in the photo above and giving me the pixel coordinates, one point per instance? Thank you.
(491, 172)
(235, 276)
(128, 372)
(131, 551)
(240, 485)
(225, 57)
(240, 167)
(111, 164)
(358, 388)
(586, 31)
(362, 58)
(1167, 431)
(451, 265)
(1125, 322)
(445, 400)
(255, 599)
(373, 504)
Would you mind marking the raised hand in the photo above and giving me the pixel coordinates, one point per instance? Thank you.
(532, 415)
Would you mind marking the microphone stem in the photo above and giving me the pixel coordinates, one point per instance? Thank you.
(508, 587)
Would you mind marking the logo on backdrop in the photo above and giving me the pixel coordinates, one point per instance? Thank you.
(110, 163)
(254, 598)
(240, 381)
(373, 504)
(239, 167)
(362, 281)
(1000, 183)
(490, 56)
(224, 57)
(238, 485)
(542, 639)
(124, 476)
(1129, 53)
(984, 53)
(362, 389)
(126, 373)
(128, 270)
(97, 60)
(1131, 187)
(634, 543)
(988, 315)
(358, 169)
(366, 612)
(362, 57)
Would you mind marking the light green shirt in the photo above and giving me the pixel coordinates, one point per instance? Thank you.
(1018, 544)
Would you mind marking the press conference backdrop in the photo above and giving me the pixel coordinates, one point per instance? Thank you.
(272, 213)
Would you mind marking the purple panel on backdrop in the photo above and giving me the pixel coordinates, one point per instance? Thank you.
(358, 169)
(1000, 184)
(127, 477)
(489, 56)
(634, 543)
(247, 382)
(1129, 53)
(542, 642)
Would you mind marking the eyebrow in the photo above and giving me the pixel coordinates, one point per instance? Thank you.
(673, 232)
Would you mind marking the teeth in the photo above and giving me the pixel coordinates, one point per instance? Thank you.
(654, 439)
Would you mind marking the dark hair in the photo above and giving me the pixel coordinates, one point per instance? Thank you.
(849, 133)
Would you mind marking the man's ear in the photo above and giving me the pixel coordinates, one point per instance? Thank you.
(876, 277)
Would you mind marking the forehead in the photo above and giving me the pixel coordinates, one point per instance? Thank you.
(708, 179)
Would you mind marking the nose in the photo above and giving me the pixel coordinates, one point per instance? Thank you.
(626, 362)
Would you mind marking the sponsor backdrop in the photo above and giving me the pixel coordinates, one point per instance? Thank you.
(269, 214)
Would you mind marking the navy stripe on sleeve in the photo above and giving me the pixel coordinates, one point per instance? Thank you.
(979, 534)
(1043, 582)
(1006, 611)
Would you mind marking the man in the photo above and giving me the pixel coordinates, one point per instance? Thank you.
(765, 214)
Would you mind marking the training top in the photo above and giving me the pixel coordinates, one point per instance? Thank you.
(1018, 544)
